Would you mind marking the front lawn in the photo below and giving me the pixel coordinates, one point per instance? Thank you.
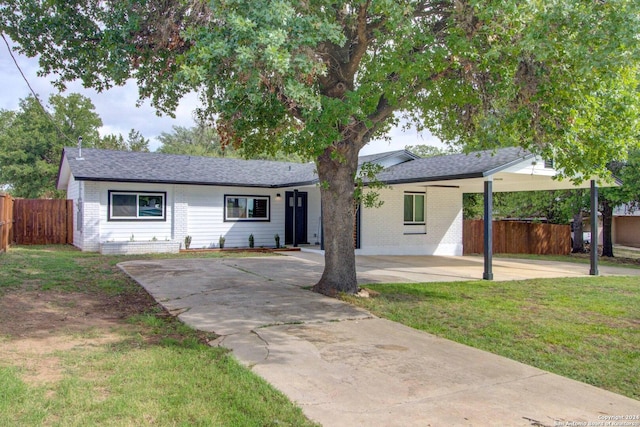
(587, 329)
(82, 344)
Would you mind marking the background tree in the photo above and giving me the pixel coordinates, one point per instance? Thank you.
(554, 207)
(31, 142)
(195, 141)
(203, 140)
(134, 142)
(322, 79)
(112, 142)
(579, 203)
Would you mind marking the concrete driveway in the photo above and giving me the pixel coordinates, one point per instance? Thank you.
(345, 367)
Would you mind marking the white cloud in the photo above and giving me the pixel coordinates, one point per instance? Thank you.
(119, 113)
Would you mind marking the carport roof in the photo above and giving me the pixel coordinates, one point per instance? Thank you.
(127, 166)
(454, 166)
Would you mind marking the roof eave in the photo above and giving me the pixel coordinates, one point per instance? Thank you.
(434, 178)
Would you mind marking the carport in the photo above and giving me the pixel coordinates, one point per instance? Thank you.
(505, 170)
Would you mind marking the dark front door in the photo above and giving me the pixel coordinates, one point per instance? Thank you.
(295, 218)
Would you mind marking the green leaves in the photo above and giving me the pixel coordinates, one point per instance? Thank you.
(556, 77)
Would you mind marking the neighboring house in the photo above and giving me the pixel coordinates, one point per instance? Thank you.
(128, 202)
(626, 225)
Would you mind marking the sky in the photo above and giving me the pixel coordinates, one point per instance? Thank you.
(119, 113)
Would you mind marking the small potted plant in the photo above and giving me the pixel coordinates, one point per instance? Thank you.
(277, 237)
(221, 242)
(251, 241)
(187, 242)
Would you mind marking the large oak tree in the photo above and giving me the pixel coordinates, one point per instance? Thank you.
(322, 78)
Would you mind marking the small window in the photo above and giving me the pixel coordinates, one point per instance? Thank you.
(127, 206)
(414, 208)
(246, 208)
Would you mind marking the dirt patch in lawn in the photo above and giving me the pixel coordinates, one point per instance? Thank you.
(36, 325)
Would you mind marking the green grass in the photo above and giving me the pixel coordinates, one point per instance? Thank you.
(67, 269)
(587, 329)
(157, 371)
(161, 385)
(171, 384)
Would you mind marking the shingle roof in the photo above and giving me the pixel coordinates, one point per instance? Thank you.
(127, 166)
(453, 166)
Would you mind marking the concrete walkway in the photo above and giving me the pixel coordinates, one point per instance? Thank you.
(345, 367)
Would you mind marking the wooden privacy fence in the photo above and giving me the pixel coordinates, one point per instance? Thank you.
(6, 221)
(512, 237)
(43, 221)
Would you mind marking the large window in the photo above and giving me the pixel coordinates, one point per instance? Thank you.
(130, 205)
(246, 208)
(414, 208)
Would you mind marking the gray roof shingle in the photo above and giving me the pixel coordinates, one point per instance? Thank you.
(127, 166)
(453, 166)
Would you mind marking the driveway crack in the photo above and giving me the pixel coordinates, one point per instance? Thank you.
(244, 270)
(266, 344)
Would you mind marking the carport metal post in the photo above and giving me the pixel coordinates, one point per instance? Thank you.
(594, 229)
(488, 229)
(295, 214)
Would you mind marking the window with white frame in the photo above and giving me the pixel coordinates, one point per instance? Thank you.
(246, 208)
(138, 206)
(414, 208)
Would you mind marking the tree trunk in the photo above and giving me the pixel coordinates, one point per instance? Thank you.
(337, 183)
(607, 222)
(578, 234)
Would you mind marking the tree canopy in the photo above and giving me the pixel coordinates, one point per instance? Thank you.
(322, 78)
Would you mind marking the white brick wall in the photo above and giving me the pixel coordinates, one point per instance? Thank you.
(383, 231)
(135, 248)
(444, 220)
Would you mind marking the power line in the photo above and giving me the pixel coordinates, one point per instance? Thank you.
(35, 95)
